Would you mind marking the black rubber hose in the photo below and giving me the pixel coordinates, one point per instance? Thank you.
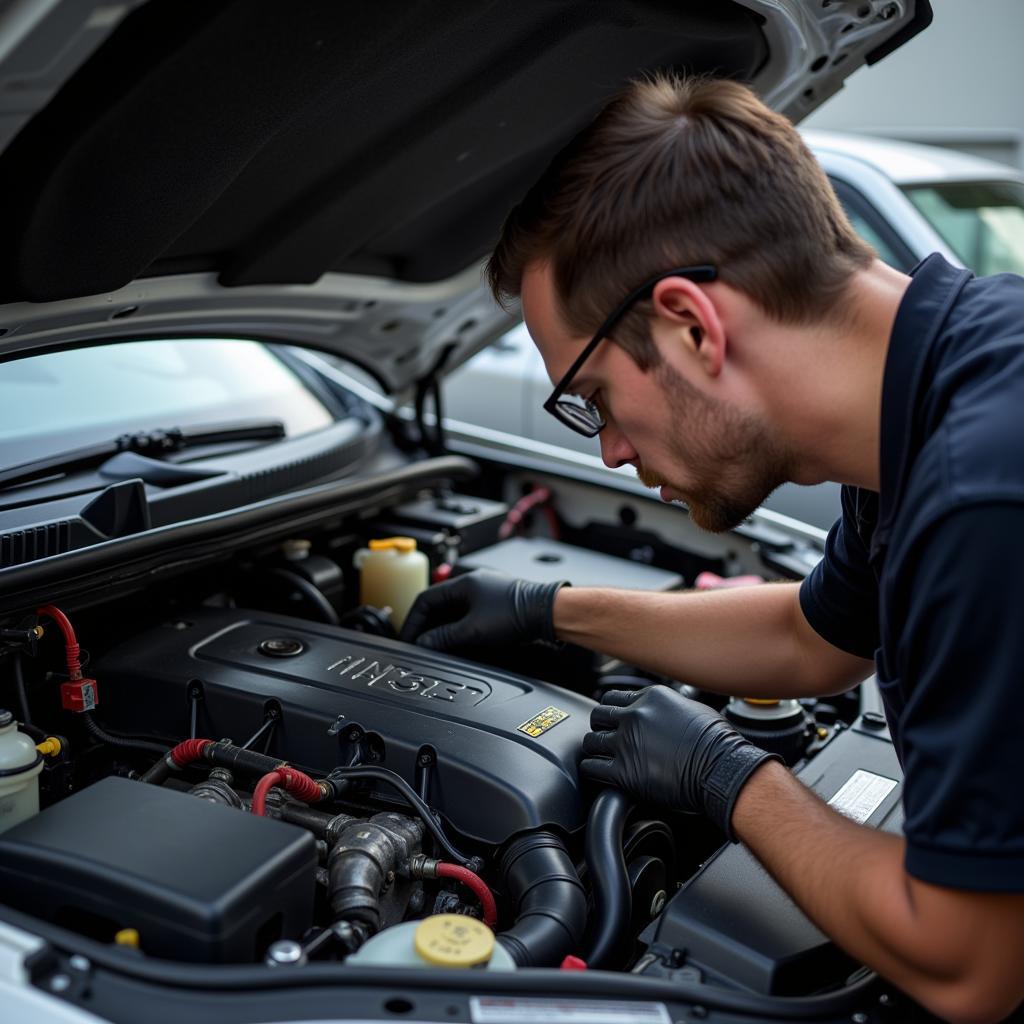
(313, 594)
(38, 735)
(609, 880)
(19, 685)
(117, 740)
(551, 906)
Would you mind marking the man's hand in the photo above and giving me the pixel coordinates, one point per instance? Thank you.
(482, 608)
(664, 749)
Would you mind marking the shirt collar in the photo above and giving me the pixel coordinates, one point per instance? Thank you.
(926, 303)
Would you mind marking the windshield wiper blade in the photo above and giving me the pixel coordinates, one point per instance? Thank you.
(154, 443)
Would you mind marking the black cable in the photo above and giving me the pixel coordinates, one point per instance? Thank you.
(309, 591)
(38, 735)
(22, 692)
(118, 740)
(609, 880)
(410, 794)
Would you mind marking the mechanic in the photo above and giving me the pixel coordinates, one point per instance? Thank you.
(745, 336)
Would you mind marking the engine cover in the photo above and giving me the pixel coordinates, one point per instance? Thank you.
(506, 747)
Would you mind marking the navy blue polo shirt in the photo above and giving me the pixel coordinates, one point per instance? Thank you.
(927, 575)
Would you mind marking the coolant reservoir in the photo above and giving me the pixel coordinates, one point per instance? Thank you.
(391, 574)
(20, 765)
(443, 940)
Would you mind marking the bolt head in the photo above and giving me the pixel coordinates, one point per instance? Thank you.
(285, 953)
(79, 962)
(60, 983)
(658, 903)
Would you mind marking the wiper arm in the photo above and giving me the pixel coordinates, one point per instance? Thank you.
(145, 442)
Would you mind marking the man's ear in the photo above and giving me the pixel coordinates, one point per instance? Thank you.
(687, 305)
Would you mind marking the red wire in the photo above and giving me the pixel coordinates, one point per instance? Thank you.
(299, 784)
(263, 787)
(71, 647)
(476, 884)
(538, 496)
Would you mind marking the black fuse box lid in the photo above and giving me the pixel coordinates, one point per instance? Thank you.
(199, 881)
(475, 520)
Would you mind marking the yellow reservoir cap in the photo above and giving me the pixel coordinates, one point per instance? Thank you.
(761, 700)
(451, 940)
(127, 937)
(403, 545)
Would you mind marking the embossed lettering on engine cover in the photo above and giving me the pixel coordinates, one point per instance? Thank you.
(385, 677)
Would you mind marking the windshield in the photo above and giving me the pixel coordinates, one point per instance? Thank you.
(66, 399)
(983, 223)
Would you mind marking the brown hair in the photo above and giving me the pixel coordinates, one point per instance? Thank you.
(679, 171)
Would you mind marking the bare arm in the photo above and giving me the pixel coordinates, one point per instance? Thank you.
(750, 641)
(956, 952)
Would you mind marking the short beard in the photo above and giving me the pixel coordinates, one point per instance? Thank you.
(733, 462)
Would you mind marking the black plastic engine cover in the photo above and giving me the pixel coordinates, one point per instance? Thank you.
(506, 747)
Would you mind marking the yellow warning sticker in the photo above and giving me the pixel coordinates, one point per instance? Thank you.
(542, 721)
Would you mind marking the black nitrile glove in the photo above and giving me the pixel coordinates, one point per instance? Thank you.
(661, 748)
(482, 608)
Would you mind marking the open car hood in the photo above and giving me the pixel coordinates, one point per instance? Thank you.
(332, 174)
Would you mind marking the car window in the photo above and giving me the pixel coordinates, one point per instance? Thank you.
(873, 227)
(59, 399)
(983, 223)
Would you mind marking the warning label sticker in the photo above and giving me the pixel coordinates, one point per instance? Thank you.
(542, 721)
(861, 794)
(493, 1010)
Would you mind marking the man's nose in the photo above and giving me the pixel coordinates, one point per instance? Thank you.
(615, 447)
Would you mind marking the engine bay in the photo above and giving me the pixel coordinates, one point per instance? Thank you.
(252, 768)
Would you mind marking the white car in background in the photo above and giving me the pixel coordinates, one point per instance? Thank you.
(907, 200)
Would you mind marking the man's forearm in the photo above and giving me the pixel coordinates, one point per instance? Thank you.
(946, 948)
(750, 641)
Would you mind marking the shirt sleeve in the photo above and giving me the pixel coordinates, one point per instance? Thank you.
(840, 596)
(960, 664)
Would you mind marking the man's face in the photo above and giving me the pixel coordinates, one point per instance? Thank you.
(720, 459)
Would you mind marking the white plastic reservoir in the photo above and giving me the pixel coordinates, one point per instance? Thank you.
(443, 940)
(20, 765)
(391, 575)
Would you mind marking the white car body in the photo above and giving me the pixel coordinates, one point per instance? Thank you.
(503, 388)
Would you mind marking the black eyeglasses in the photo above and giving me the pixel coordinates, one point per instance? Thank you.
(580, 414)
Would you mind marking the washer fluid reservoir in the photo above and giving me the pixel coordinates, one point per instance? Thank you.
(391, 575)
(20, 765)
(442, 940)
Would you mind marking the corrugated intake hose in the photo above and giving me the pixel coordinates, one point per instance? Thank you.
(609, 880)
(551, 906)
